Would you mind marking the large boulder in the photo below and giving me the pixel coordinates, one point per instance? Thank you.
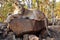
(30, 21)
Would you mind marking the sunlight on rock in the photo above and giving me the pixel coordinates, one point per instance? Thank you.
(33, 37)
(16, 10)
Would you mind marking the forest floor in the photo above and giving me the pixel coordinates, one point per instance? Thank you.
(55, 27)
(55, 32)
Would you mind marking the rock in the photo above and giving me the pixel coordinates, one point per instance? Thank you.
(33, 37)
(10, 36)
(25, 37)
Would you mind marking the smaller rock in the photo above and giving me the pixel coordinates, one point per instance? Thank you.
(33, 37)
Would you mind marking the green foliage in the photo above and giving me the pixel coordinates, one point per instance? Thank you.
(0, 20)
(9, 8)
(6, 9)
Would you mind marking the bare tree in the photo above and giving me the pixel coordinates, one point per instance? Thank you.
(52, 11)
(37, 4)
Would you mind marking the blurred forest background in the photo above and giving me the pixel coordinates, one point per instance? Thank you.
(50, 8)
